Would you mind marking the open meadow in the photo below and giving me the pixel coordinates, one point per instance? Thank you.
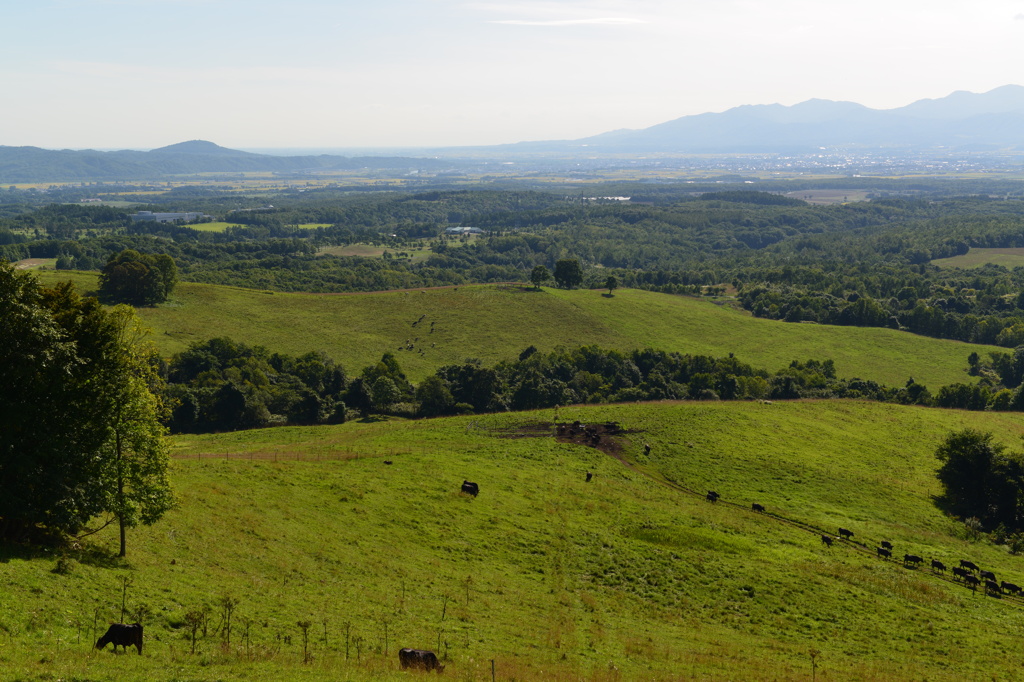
(328, 548)
(975, 258)
(494, 323)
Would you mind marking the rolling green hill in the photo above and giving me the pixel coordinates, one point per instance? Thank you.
(549, 576)
(494, 323)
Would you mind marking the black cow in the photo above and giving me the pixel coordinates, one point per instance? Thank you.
(960, 573)
(419, 658)
(590, 475)
(1010, 588)
(123, 635)
(972, 580)
(845, 534)
(712, 496)
(883, 552)
(826, 540)
(992, 587)
(988, 575)
(970, 565)
(886, 544)
(757, 507)
(912, 559)
(470, 488)
(938, 565)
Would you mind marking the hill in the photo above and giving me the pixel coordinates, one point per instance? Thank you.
(32, 164)
(494, 323)
(549, 576)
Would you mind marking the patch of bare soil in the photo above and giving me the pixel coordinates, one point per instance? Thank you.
(608, 437)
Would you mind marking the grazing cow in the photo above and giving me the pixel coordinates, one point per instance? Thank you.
(826, 540)
(969, 565)
(120, 634)
(972, 580)
(988, 575)
(938, 565)
(388, 461)
(757, 507)
(992, 587)
(960, 573)
(912, 559)
(845, 534)
(883, 552)
(712, 496)
(470, 488)
(1009, 588)
(419, 658)
(590, 475)
(886, 544)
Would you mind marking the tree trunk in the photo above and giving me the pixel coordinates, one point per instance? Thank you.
(120, 494)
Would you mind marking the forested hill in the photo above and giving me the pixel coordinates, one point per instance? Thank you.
(32, 164)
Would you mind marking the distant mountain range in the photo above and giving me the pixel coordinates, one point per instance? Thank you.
(962, 121)
(966, 121)
(32, 164)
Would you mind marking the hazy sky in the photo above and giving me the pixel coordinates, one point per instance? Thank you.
(319, 73)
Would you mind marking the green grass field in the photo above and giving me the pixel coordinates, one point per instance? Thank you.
(495, 323)
(551, 577)
(975, 258)
(220, 226)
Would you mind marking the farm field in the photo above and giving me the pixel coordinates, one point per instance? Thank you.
(221, 226)
(494, 323)
(549, 576)
(975, 258)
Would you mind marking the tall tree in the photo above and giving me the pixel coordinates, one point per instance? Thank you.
(980, 478)
(79, 427)
(137, 278)
(568, 273)
(53, 412)
(539, 275)
(135, 460)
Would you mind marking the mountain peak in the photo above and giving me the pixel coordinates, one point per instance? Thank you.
(199, 147)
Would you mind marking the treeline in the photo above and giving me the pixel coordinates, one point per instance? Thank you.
(221, 385)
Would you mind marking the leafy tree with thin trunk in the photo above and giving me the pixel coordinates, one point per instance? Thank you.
(539, 275)
(611, 284)
(135, 459)
(568, 273)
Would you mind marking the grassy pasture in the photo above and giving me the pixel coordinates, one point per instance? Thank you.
(495, 323)
(975, 258)
(553, 578)
(220, 226)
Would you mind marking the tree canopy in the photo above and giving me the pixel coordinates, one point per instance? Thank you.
(74, 387)
(138, 279)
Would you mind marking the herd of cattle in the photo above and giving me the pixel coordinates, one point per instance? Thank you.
(967, 572)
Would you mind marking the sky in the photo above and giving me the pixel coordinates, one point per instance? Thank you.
(141, 74)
